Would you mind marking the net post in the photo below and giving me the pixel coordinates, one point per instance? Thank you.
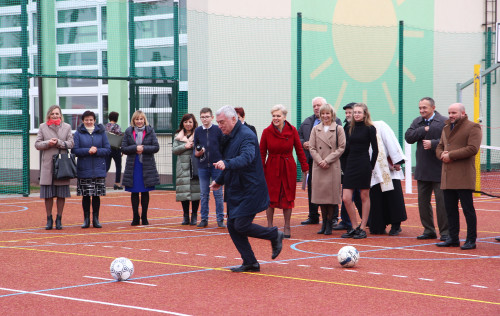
(299, 79)
(477, 100)
(400, 82)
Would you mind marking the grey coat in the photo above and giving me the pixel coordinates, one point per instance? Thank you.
(129, 148)
(428, 167)
(186, 189)
(45, 133)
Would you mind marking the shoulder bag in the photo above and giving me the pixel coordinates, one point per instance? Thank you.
(64, 165)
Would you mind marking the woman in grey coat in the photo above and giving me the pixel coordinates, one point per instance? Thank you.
(53, 135)
(187, 185)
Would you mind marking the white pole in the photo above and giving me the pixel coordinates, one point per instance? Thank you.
(408, 178)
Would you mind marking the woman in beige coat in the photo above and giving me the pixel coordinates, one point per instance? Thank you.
(53, 135)
(327, 143)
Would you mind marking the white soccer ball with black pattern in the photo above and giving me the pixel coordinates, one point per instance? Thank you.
(348, 256)
(121, 269)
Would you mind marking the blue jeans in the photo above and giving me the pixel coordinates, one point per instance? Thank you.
(206, 175)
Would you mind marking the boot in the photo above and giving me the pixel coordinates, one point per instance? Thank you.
(323, 226)
(185, 218)
(86, 219)
(194, 218)
(50, 223)
(328, 227)
(136, 220)
(144, 218)
(58, 222)
(95, 219)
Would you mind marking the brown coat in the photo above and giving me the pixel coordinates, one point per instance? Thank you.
(326, 188)
(463, 144)
(45, 133)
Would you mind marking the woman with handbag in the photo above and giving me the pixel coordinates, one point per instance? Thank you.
(91, 148)
(53, 135)
(187, 184)
(140, 144)
(116, 153)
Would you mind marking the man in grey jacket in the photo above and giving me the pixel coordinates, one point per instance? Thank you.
(426, 130)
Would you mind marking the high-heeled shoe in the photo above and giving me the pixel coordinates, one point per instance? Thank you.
(117, 187)
(58, 222)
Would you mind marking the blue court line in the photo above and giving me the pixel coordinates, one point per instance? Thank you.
(23, 208)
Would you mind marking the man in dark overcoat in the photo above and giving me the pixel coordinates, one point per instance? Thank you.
(245, 190)
(426, 130)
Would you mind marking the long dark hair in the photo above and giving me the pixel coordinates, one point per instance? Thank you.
(185, 118)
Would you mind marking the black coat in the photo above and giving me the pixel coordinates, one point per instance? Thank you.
(129, 148)
(428, 166)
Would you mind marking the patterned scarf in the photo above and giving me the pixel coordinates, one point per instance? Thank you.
(138, 137)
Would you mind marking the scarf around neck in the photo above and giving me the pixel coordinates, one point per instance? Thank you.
(138, 137)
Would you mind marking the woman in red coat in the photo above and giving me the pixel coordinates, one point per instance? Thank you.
(277, 143)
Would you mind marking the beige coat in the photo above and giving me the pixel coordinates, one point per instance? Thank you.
(326, 186)
(462, 143)
(45, 133)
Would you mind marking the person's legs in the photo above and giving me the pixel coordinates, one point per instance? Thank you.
(324, 218)
(313, 216)
(218, 196)
(442, 218)
(451, 203)
(144, 205)
(467, 203)
(270, 216)
(204, 176)
(240, 240)
(134, 198)
(117, 157)
(185, 211)
(424, 189)
(349, 205)
(365, 200)
(96, 205)
(49, 202)
(287, 214)
(60, 205)
(356, 198)
(194, 214)
(86, 211)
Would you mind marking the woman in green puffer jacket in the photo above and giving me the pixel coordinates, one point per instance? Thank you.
(187, 185)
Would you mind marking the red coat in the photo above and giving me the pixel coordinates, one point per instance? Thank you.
(280, 167)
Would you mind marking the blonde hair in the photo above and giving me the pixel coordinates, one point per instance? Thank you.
(367, 119)
(52, 108)
(328, 108)
(279, 107)
(137, 114)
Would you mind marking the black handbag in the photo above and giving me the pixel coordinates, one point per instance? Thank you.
(64, 165)
(115, 141)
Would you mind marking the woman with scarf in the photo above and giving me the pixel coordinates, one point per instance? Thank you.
(277, 143)
(140, 176)
(187, 184)
(92, 148)
(53, 135)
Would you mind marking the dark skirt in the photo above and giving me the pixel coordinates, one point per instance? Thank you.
(91, 187)
(51, 191)
(138, 179)
(386, 207)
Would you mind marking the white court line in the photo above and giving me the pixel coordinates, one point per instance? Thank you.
(480, 286)
(96, 302)
(424, 279)
(450, 282)
(107, 279)
(377, 273)
(399, 276)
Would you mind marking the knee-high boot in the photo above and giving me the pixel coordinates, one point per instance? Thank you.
(194, 218)
(86, 219)
(185, 220)
(329, 222)
(324, 219)
(95, 219)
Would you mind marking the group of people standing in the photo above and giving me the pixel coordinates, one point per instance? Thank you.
(90, 144)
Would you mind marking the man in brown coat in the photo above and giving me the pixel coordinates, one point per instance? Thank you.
(459, 144)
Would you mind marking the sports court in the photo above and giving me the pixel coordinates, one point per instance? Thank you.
(183, 270)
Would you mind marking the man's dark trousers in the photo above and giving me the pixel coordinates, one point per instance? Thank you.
(240, 228)
(451, 198)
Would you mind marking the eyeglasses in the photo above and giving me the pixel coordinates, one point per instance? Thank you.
(205, 117)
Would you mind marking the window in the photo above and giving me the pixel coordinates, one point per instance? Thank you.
(77, 35)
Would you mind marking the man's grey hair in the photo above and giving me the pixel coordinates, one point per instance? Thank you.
(228, 112)
(321, 99)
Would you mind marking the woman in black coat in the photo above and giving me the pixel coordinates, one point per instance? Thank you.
(140, 176)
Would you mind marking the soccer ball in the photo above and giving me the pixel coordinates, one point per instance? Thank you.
(121, 269)
(348, 256)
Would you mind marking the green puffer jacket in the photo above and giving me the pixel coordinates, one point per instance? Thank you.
(186, 189)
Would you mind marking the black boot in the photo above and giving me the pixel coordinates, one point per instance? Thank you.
(144, 217)
(185, 220)
(323, 226)
(328, 228)
(95, 219)
(194, 218)
(58, 222)
(86, 219)
(50, 223)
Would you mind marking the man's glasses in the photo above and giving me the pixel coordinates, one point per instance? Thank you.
(205, 117)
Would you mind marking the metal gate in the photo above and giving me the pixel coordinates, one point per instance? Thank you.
(159, 102)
